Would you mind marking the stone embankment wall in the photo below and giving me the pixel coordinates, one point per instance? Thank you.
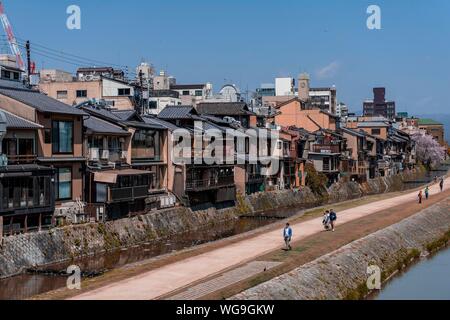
(22, 252)
(343, 274)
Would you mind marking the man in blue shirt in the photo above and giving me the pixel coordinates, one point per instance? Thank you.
(287, 234)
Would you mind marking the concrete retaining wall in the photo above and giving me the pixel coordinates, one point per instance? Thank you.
(342, 274)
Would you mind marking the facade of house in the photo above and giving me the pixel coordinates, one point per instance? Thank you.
(434, 129)
(27, 190)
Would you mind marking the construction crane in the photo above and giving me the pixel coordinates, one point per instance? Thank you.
(11, 38)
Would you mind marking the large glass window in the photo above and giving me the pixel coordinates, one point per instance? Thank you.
(62, 137)
(146, 145)
(64, 183)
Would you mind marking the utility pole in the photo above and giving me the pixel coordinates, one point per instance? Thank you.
(141, 84)
(28, 47)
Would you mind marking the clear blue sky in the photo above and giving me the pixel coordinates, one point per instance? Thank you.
(250, 42)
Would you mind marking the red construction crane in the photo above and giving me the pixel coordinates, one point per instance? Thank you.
(11, 38)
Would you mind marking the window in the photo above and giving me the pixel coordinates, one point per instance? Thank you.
(61, 95)
(48, 136)
(376, 132)
(198, 93)
(124, 92)
(62, 137)
(64, 184)
(6, 74)
(186, 93)
(81, 93)
(16, 76)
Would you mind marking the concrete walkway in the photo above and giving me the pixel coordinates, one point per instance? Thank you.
(161, 281)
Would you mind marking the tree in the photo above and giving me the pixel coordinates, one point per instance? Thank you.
(428, 150)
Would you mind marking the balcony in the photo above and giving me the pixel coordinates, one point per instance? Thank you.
(212, 183)
(128, 194)
(326, 149)
(21, 159)
(108, 155)
(254, 178)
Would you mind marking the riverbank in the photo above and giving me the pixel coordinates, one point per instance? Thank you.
(36, 250)
(342, 274)
(178, 274)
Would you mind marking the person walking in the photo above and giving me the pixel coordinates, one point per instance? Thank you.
(427, 192)
(333, 218)
(420, 196)
(287, 234)
(441, 184)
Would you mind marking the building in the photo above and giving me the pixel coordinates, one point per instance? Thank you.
(192, 94)
(229, 111)
(90, 84)
(196, 183)
(322, 98)
(342, 110)
(295, 112)
(59, 142)
(434, 129)
(284, 87)
(159, 99)
(27, 195)
(379, 106)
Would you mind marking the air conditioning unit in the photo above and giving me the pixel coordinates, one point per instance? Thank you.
(94, 154)
(105, 155)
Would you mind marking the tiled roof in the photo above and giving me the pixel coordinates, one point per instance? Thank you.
(165, 124)
(39, 101)
(97, 125)
(224, 108)
(429, 122)
(372, 124)
(125, 115)
(16, 122)
(177, 112)
(102, 113)
(144, 125)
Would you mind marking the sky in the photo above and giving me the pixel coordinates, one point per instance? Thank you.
(250, 42)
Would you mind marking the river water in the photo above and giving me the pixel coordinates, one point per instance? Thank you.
(426, 280)
(52, 278)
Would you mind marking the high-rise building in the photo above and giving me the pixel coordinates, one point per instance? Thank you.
(379, 106)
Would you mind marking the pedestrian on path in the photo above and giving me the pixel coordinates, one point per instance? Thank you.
(427, 192)
(420, 197)
(287, 234)
(326, 221)
(333, 218)
(441, 184)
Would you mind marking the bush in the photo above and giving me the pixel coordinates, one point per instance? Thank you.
(316, 181)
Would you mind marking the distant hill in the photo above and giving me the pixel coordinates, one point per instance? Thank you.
(442, 118)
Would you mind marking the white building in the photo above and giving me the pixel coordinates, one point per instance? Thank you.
(342, 110)
(284, 87)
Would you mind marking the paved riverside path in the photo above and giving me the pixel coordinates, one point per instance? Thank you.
(166, 279)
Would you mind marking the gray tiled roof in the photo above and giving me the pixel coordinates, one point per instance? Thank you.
(125, 115)
(16, 122)
(370, 124)
(177, 112)
(39, 101)
(96, 125)
(224, 108)
(102, 113)
(165, 124)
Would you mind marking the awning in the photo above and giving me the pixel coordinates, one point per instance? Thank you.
(110, 177)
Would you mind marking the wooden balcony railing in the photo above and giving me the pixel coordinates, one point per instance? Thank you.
(202, 184)
(21, 159)
(130, 193)
(319, 148)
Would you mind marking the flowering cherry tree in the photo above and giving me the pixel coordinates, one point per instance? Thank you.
(428, 150)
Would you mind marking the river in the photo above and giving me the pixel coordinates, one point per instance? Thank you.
(52, 278)
(427, 280)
